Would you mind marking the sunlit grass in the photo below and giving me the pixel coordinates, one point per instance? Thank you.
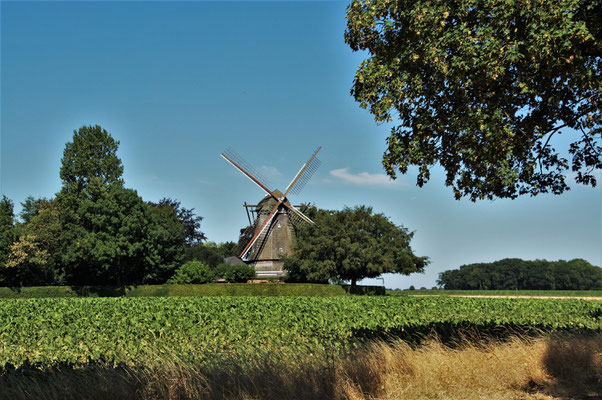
(546, 367)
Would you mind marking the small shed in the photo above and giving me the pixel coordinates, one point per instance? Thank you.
(234, 261)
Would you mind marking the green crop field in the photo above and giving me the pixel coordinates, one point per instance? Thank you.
(138, 330)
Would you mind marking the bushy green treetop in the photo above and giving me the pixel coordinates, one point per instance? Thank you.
(349, 245)
(481, 87)
(192, 272)
(91, 156)
(109, 236)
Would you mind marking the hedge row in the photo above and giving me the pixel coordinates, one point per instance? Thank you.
(219, 289)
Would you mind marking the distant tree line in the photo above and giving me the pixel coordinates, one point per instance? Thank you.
(95, 231)
(517, 274)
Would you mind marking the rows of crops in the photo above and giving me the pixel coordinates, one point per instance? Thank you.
(135, 330)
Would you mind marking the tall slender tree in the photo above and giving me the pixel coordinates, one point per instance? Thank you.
(104, 226)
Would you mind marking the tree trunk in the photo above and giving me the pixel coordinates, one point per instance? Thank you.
(353, 282)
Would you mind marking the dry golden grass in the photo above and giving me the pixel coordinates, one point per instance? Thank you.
(544, 368)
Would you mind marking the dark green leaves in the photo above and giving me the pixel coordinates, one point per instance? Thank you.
(480, 87)
(517, 274)
(350, 245)
(146, 330)
(192, 272)
(90, 157)
(108, 235)
(107, 239)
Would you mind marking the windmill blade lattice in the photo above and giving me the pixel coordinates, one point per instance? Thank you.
(296, 220)
(245, 165)
(245, 236)
(314, 164)
(260, 240)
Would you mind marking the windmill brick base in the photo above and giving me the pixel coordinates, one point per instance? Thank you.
(269, 269)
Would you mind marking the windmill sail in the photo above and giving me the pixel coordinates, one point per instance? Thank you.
(272, 234)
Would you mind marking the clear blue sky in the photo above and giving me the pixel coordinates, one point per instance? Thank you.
(177, 83)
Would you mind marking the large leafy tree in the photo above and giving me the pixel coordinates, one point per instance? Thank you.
(107, 231)
(481, 87)
(107, 238)
(349, 245)
(168, 237)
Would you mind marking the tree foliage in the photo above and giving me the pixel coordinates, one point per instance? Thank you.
(211, 253)
(349, 245)
(31, 206)
(234, 273)
(7, 225)
(192, 272)
(96, 231)
(106, 238)
(517, 274)
(44, 225)
(108, 234)
(190, 222)
(90, 157)
(167, 237)
(481, 87)
(27, 264)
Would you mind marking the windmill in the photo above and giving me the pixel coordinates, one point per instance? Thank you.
(271, 233)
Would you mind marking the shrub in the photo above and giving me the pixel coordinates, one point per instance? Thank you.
(234, 273)
(192, 272)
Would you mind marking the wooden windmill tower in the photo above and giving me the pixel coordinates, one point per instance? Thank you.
(271, 233)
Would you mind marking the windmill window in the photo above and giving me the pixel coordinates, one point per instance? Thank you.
(281, 250)
(279, 226)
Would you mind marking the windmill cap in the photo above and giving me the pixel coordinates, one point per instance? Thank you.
(269, 202)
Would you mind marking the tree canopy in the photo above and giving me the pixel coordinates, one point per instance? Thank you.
(31, 206)
(188, 220)
(42, 229)
(109, 235)
(27, 264)
(481, 87)
(349, 245)
(95, 231)
(106, 240)
(517, 274)
(91, 156)
(211, 253)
